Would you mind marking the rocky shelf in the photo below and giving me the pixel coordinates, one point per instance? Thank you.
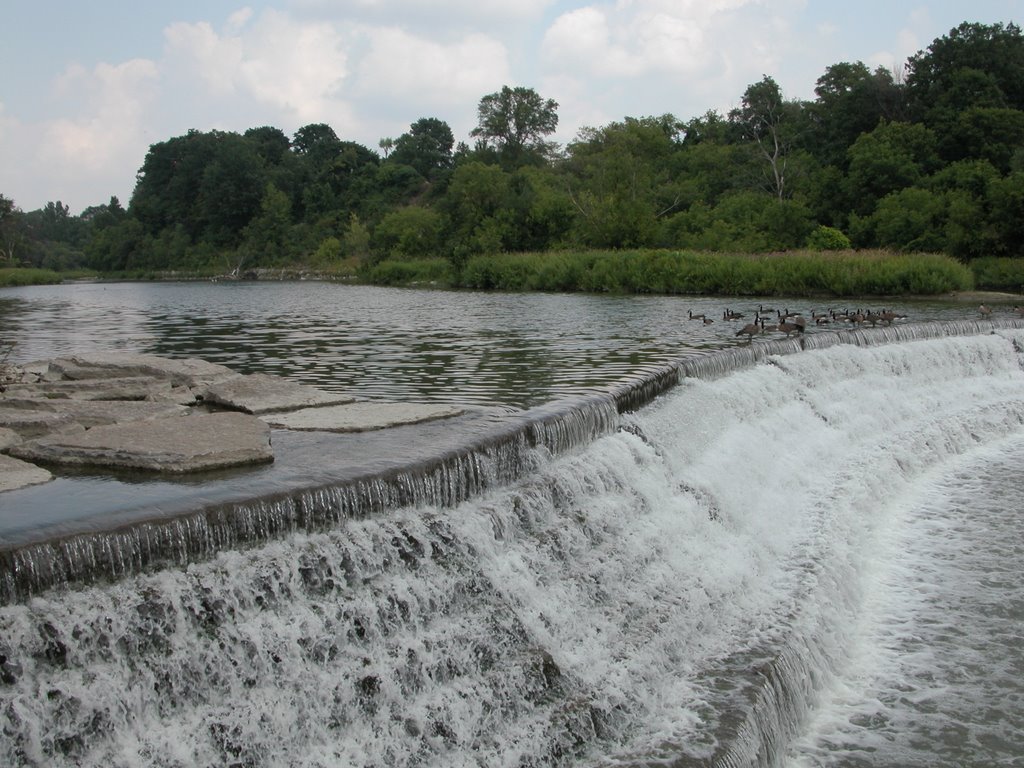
(176, 416)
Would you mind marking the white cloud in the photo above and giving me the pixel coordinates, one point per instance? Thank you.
(294, 67)
(639, 37)
(116, 98)
(82, 158)
(425, 73)
(416, 11)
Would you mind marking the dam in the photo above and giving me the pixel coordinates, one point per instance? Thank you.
(791, 552)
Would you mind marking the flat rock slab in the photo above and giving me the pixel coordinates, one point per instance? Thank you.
(360, 416)
(260, 393)
(98, 413)
(122, 388)
(8, 438)
(189, 372)
(177, 444)
(15, 474)
(33, 422)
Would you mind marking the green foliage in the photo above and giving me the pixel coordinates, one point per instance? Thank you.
(408, 232)
(515, 121)
(828, 239)
(13, 277)
(933, 164)
(676, 272)
(409, 272)
(993, 273)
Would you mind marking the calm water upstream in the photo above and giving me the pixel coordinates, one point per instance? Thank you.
(811, 562)
(515, 350)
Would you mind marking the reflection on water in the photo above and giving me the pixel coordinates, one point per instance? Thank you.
(516, 350)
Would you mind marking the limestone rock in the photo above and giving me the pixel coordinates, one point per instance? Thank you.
(260, 393)
(360, 416)
(33, 422)
(176, 444)
(15, 474)
(8, 439)
(106, 388)
(190, 372)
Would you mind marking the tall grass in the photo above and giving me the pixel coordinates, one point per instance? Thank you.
(998, 274)
(18, 276)
(801, 273)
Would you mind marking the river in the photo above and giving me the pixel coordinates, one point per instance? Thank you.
(810, 561)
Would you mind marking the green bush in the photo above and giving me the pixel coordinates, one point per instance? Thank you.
(998, 274)
(11, 277)
(828, 239)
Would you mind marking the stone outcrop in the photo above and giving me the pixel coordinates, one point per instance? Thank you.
(260, 393)
(177, 444)
(360, 417)
(122, 410)
(17, 474)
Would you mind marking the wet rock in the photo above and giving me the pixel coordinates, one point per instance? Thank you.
(16, 474)
(89, 413)
(122, 388)
(176, 444)
(360, 416)
(8, 438)
(189, 372)
(33, 422)
(260, 393)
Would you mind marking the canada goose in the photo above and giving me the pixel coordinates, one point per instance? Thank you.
(750, 330)
(766, 328)
(708, 321)
(788, 328)
(1019, 311)
(986, 311)
(695, 317)
(762, 309)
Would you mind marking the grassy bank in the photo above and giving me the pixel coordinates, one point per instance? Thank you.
(17, 276)
(803, 273)
(998, 274)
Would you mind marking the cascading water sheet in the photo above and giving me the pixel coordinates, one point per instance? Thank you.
(691, 588)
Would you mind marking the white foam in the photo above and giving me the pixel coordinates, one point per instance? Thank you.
(587, 612)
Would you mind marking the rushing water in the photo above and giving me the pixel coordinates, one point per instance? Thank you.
(811, 560)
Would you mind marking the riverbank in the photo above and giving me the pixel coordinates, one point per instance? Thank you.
(812, 274)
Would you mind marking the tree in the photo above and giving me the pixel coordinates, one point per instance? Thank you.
(890, 158)
(851, 100)
(995, 50)
(764, 118)
(315, 138)
(413, 232)
(11, 234)
(271, 144)
(427, 147)
(515, 121)
(623, 179)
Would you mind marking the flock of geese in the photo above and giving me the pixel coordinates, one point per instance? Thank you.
(770, 320)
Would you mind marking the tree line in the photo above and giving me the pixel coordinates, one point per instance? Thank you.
(926, 158)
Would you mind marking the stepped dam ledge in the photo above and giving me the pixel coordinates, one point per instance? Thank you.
(715, 563)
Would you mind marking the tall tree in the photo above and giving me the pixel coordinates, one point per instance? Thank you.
(515, 121)
(851, 100)
(767, 120)
(994, 49)
(427, 147)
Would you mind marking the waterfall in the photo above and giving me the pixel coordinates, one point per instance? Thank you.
(658, 579)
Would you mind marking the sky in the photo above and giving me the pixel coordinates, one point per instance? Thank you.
(87, 87)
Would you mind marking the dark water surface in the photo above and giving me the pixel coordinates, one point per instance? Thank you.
(510, 349)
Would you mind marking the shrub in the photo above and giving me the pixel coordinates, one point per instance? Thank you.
(828, 239)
